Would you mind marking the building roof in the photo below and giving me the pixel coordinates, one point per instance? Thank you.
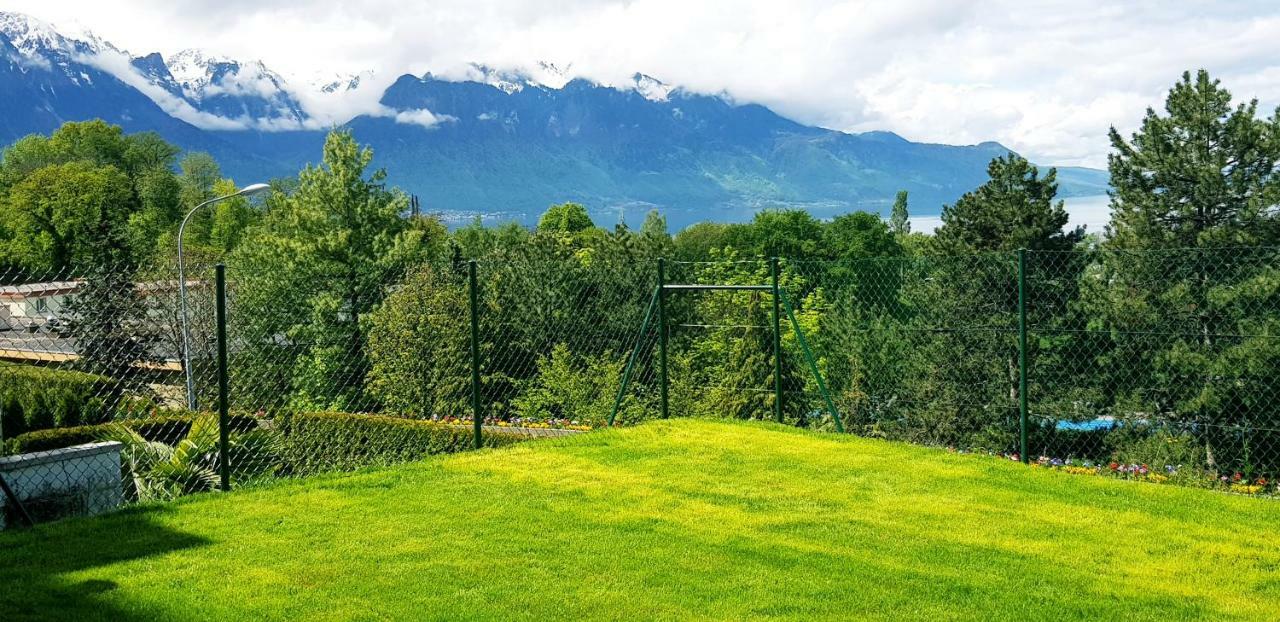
(19, 293)
(30, 291)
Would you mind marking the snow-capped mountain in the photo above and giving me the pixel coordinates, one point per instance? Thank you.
(486, 139)
(340, 83)
(233, 89)
(38, 40)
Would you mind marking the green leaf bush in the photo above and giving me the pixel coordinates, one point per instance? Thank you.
(39, 398)
(331, 441)
(167, 427)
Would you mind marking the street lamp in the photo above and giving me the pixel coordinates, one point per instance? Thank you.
(182, 286)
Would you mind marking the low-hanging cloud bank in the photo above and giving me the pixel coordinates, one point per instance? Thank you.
(1046, 79)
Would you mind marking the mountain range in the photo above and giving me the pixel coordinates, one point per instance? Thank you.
(497, 143)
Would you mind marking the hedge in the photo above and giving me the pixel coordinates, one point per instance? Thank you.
(38, 398)
(319, 442)
(168, 428)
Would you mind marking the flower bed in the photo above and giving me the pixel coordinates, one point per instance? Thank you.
(1235, 482)
(519, 422)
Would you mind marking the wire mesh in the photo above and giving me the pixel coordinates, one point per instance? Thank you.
(1159, 366)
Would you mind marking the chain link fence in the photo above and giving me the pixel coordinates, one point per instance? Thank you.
(1159, 366)
(1153, 365)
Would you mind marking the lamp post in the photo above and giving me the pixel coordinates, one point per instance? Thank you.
(182, 286)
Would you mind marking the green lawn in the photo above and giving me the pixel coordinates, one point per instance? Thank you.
(671, 520)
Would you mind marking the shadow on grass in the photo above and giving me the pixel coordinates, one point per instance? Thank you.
(35, 564)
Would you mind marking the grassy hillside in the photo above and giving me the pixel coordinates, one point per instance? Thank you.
(672, 520)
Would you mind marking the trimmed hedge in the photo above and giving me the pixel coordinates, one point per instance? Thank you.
(39, 398)
(319, 442)
(167, 428)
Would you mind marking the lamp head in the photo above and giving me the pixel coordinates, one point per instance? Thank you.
(254, 189)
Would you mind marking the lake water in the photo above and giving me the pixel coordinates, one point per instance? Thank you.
(1091, 211)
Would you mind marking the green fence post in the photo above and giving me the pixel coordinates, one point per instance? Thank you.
(224, 422)
(631, 362)
(777, 343)
(1022, 355)
(476, 414)
(662, 333)
(813, 362)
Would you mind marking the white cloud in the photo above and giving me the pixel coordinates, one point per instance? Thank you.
(422, 117)
(1046, 78)
(119, 65)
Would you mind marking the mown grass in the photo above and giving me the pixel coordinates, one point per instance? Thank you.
(671, 520)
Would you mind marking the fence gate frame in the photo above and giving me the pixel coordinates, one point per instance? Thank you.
(780, 303)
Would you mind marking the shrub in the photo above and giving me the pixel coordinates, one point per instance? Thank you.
(319, 442)
(167, 427)
(581, 389)
(38, 398)
(418, 348)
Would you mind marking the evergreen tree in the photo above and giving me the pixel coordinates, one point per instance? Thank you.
(1190, 327)
(1205, 174)
(968, 385)
(1014, 209)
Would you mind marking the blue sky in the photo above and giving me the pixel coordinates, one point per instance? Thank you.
(1045, 78)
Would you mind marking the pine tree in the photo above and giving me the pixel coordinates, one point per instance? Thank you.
(1014, 209)
(1204, 175)
(1189, 330)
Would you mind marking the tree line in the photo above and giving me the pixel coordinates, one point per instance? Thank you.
(342, 301)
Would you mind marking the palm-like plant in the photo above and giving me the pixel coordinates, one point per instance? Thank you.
(157, 471)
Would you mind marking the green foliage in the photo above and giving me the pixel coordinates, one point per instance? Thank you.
(419, 347)
(319, 442)
(899, 219)
(581, 390)
(323, 258)
(565, 218)
(35, 398)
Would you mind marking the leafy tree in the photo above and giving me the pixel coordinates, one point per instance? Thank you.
(60, 213)
(323, 258)
(565, 218)
(790, 234)
(899, 219)
(44, 219)
(698, 241)
(232, 218)
(419, 347)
